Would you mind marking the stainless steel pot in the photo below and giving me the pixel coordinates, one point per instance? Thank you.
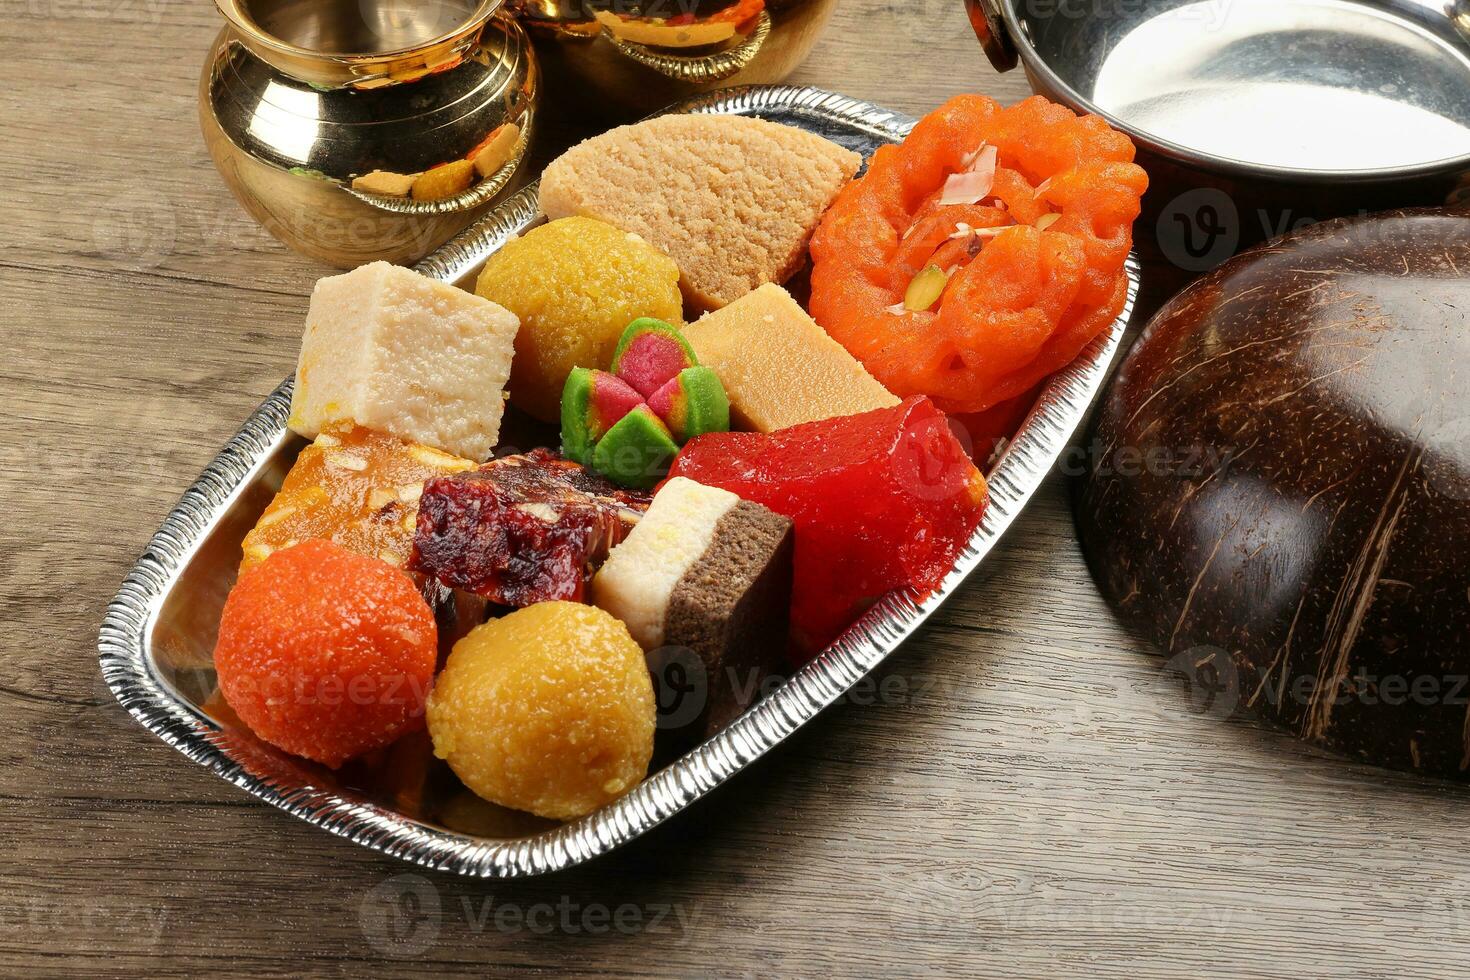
(1255, 117)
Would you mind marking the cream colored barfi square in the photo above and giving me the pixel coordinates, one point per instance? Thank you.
(392, 350)
(778, 366)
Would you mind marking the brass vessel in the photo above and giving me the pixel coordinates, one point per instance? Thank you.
(612, 67)
(300, 98)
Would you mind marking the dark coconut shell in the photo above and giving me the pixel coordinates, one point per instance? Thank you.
(1279, 486)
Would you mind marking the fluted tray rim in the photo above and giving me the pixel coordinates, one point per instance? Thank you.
(124, 640)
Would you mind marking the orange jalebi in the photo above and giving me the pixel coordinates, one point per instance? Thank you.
(1018, 304)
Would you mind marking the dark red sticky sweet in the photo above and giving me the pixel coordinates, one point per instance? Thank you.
(881, 501)
(522, 529)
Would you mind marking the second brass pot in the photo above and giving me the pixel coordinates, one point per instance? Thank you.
(621, 80)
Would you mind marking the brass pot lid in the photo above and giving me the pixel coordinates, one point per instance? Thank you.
(697, 43)
(359, 43)
(714, 66)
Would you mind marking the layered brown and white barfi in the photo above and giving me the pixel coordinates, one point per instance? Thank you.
(707, 572)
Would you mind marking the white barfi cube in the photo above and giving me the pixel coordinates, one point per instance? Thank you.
(396, 351)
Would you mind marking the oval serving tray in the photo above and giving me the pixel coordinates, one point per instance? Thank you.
(157, 639)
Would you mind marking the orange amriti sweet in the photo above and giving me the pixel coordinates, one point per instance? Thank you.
(326, 653)
(1027, 212)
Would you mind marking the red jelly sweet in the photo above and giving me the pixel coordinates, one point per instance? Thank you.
(522, 529)
(881, 501)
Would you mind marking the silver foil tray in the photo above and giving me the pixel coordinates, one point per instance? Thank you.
(158, 637)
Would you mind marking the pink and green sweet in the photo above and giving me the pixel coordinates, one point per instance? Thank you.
(628, 422)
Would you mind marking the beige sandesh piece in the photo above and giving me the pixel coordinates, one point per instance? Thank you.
(731, 199)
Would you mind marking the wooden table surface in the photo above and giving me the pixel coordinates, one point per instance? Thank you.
(1027, 795)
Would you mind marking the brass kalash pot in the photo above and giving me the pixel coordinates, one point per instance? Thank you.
(320, 113)
(623, 59)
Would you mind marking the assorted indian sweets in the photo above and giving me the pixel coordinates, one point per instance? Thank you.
(727, 494)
